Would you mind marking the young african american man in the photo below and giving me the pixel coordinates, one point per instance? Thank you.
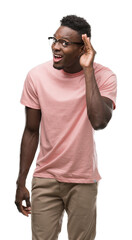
(67, 98)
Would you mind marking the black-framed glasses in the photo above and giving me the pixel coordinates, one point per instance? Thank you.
(63, 42)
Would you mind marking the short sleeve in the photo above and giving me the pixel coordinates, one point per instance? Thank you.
(29, 96)
(108, 87)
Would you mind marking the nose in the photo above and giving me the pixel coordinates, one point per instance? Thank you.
(56, 46)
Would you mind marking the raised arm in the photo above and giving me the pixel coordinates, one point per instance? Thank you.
(99, 109)
(29, 145)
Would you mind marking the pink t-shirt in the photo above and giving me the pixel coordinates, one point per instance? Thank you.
(67, 147)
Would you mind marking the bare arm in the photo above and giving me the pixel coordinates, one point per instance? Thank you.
(99, 109)
(29, 145)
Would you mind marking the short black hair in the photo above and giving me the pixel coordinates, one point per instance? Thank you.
(76, 23)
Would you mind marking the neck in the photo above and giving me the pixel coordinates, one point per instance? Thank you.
(73, 69)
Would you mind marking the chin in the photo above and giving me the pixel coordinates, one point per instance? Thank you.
(57, 67)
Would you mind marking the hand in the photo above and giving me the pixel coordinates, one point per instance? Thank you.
(23, 194)
(87, 58)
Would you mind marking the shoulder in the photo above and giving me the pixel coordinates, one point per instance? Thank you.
(40, 69)
(103, 73)
(38, 73)
(102, 70)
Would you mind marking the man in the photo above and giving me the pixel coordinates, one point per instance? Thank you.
(70, 96)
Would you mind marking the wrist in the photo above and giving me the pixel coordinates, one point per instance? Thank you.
(20, 184)
(88, 71)
(21, 181)
(89, 68)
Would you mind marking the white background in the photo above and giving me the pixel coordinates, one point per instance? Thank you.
(25, 26)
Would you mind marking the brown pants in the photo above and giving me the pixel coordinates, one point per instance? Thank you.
(49, 200)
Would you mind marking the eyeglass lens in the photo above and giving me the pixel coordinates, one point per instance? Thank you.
(61, 41)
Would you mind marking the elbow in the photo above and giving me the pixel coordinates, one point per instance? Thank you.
(100, 121)
(100, 124)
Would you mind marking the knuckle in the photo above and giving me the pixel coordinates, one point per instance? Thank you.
(16, 202)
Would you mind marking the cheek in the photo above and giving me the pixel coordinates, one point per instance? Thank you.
(71, 56)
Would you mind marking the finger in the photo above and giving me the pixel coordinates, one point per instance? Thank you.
(88, 45)
(27, 209)
(21, 208)
(86, 41)
(19, 205)
(24, 211)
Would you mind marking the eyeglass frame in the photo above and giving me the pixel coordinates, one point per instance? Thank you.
(67, 42)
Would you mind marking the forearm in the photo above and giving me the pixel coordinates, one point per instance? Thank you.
(27, 152)
(98, 111)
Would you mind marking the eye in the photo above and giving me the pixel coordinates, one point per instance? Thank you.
(65, 43)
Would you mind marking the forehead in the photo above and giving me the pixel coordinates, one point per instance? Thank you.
(67, 33)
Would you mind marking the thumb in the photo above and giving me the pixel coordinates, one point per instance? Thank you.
(28, 204)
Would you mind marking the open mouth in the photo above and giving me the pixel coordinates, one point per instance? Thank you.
(57, 58)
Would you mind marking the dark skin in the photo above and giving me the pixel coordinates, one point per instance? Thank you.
(74, 59)
(71, 54)
(28, 148)
(99, 109)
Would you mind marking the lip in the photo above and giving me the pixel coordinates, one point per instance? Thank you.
(57, 58)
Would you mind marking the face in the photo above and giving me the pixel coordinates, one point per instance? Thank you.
(67, 58)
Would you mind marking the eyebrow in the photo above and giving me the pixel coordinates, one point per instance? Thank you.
(62, 38)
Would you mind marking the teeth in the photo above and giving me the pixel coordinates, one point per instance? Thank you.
(58, 56)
